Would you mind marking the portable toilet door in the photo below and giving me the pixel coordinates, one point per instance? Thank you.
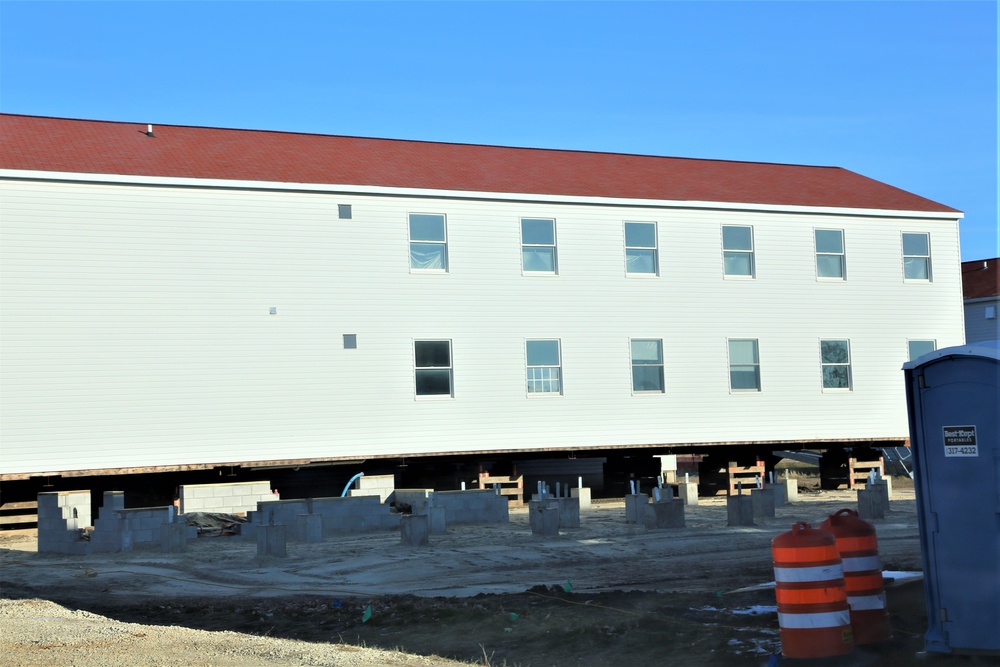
(953, 397)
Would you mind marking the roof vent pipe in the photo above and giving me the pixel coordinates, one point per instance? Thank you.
(149, 131)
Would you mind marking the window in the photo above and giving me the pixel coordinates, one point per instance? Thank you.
(538, 245)
(544, 366)
(830, 259)
(918, 348)
(916, 256)
(432, 359)
(344, 211)
(836, 359)
(640, 248)
(737, 250)
(350, 341)
(744, 365)
(647, 365)
(428, 242)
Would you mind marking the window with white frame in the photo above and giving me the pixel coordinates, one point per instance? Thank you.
(641, 257)
(916, 256)
(737, 250)
(835, 357)
(538, 245)
(744, 365)
(433, 370)
(428, 242)
(544, 370)
(918, 348)
(647, 365)
(831, 261)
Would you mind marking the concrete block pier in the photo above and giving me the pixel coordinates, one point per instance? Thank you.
(543, 516)
(272, 540)
(739, 510)
(635, 507)
(666, 513)
(415, 530)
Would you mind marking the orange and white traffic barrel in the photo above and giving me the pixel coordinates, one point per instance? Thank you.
(858, 547)
(813, 615)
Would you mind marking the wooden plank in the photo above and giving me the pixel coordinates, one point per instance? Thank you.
(26, 505)
(18, 519)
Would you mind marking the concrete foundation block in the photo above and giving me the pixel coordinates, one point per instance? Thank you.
(248, 531)
(415, 530)
(583, 495)
(544, 518)
(872, 504)
(438, 520)
(739, 511)
(271, 541)
(667, 513)
(884, 487)
(113, 501)
(780, 495)
(763, 503)
(142, 536)
(569, 512)
(173, 538)
(233, 497)
(61, 515)
(635, 507)
(791, 487)
(309, 528)
(688, 492)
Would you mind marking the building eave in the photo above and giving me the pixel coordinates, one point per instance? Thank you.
(345, 189)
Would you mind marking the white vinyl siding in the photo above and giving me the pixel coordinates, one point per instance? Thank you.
(136, 328)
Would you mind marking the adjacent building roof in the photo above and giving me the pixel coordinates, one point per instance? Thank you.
(980, 279)
(104, 147)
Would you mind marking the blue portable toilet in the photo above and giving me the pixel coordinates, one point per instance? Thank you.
(953, 397)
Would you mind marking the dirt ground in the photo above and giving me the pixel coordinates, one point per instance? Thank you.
(607, 593)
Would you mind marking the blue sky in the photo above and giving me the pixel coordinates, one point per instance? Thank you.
(903, 92)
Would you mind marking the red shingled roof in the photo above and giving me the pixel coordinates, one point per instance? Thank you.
(103, 147)
(980, 279)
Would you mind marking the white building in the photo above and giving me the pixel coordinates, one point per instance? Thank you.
(184, 297)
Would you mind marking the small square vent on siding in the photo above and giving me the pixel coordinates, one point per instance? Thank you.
(350, 341)
(344, 211)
